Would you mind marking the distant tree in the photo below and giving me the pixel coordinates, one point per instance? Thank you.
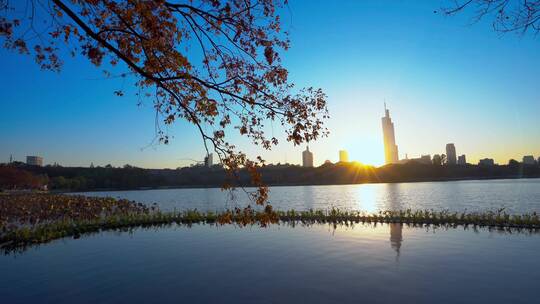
(506, 15)
(60, 182)
(237, 84)
(12, 177)
(439, 160)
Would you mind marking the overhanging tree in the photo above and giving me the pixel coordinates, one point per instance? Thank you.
(238, 83)
(506, 15)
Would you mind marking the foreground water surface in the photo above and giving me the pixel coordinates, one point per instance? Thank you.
(515, 195)
(317, 264)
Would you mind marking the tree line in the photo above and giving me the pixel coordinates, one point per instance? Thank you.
(21, 176)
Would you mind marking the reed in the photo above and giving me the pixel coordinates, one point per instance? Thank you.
(38, 218)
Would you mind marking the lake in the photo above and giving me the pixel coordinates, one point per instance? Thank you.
(280, 264)
(515, 195)
(366, 263)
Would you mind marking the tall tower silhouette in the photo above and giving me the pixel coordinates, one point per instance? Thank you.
(307, 158)
(390, 147)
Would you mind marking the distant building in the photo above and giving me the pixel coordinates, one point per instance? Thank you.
(34, 161)
(343, 156)
(307, 158)
(450, 154)
(328, 162)
(437, 160)
(529, 160)
(209, 160)
(462, 160)
(390, 147)
(486, 162)
(424, 159)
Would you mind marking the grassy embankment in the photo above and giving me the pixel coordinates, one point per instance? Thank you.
(27, 219)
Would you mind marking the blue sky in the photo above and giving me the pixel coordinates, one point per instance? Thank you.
(443, 79)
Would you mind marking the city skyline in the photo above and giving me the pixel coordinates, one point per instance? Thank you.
(391, 153)
(447, 83)
(389, 142)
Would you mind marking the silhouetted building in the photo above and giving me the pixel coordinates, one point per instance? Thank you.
(209, 160)
(390, 147)
(424, 159)
(486, 162)
(34, 161)
(529, 160)
(343, 156)
(462, 160)
(437, 160)
(450, 154)
(307, 158)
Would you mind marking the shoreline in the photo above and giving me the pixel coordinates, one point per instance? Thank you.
(40, 218)
(60, 191)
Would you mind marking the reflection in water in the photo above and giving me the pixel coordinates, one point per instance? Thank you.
(393, 197)
(396, 237)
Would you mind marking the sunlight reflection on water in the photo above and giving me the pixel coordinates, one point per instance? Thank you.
(517, 196)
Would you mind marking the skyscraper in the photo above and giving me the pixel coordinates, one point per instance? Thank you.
(451, 154)
(209, 160)
(343, 156)
(390, 147)
(462, 160)
(307, 158)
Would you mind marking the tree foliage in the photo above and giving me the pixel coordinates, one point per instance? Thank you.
(213, 63)
(15, 178)
(506, 15)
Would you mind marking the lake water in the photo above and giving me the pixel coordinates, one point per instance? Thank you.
(280, 264)
(383, 263)
(515, 195)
